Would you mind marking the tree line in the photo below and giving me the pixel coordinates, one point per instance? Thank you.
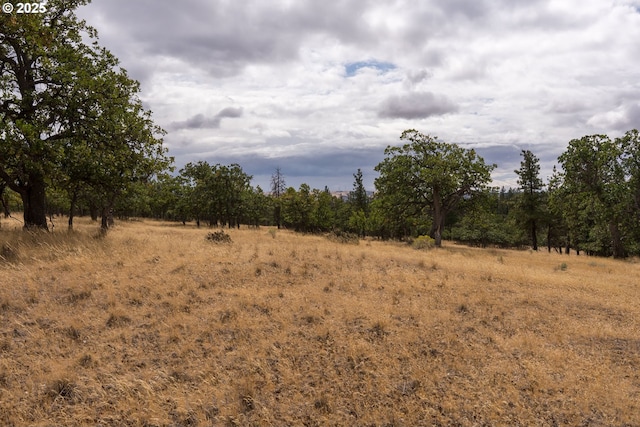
(75, 139)
(425, 187)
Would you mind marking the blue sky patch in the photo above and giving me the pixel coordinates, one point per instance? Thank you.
(353, 67)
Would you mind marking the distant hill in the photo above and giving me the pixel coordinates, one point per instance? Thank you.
(344, 195)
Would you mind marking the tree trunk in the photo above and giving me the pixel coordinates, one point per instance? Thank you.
(438, 218)
(34, 201)
(72, 210)
(3, 200)
(104, 224)
(616, 240)
(5, 208)
(277, 215)
(93, 211)
(534, 236)
(107, 218)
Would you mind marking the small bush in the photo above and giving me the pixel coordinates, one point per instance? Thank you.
(118, 320)
(423, 242)
(63, 389)
(219, 237)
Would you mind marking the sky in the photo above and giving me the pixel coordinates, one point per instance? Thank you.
(320, 88)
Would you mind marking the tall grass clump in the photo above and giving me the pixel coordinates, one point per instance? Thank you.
(8, 253)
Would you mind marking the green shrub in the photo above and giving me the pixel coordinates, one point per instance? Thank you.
(423, 242)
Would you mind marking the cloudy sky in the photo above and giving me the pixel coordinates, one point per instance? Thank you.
(321, 87)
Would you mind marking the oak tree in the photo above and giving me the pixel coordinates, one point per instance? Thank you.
(69, 113)
(426, 177)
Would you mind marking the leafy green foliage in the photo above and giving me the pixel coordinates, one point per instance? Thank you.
(358, 198)
(423, 242)
(217, 193)
(488, 218)
(278, 188)
(257, 207)
(594, 194)
(359, 205)
(429, 178)
(530, 206)
(69, 116)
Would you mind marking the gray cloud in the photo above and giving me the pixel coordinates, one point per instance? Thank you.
(416, 105)
(467, 9)
(621, 119)
(628, 119)
(224, 37)
(418, 76)
(515, 71)
(200, 121)
(508, 158)
(633, 116)
(334, 168)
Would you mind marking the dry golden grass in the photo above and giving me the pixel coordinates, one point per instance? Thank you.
(156, 326)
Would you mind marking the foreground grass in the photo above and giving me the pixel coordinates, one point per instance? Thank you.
(154, 325)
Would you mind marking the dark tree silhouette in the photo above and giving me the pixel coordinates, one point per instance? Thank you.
(278, 188)
(531, 199)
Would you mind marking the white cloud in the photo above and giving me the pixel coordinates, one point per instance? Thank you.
(623, 118)
(312, 78)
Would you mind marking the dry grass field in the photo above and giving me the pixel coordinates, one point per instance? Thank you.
(156, 326)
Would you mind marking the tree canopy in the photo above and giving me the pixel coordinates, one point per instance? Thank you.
(428, 177)
(69, 114)
(598, 193)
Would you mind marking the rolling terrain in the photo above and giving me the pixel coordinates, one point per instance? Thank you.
(154, 325)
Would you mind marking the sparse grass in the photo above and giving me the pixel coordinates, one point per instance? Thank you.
(154, 325)
(344, 237)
